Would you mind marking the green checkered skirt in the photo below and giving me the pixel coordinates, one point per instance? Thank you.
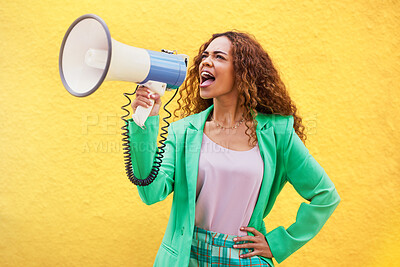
(216, 249)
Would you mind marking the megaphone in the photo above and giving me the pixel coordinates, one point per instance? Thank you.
(89, 56)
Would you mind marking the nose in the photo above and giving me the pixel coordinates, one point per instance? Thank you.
(206, 62)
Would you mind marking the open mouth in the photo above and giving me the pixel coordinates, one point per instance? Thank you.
(206, 78)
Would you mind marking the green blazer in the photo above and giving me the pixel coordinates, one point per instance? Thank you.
(285, 158)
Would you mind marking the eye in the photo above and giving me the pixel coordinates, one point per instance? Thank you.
(220, 57)
(203, 56)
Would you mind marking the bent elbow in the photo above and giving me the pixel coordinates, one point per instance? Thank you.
(148, 203)
(338, 198)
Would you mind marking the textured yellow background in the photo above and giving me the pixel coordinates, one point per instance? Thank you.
(64, 197)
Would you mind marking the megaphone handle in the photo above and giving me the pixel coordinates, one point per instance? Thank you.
(142, 113)
(156, 87)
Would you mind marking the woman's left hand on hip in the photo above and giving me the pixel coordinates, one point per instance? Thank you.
(258, 243)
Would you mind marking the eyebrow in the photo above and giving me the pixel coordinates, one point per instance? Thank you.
(215, 52)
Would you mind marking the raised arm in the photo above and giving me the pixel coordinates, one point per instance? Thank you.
(143, 147)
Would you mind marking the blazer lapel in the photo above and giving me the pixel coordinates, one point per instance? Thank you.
(266, 142)
(193, 140)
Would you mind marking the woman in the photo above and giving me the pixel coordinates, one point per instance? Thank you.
(238, 144)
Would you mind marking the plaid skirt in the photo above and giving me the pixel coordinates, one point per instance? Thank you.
(216, 249)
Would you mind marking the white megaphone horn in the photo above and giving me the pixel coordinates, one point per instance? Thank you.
(89, 56)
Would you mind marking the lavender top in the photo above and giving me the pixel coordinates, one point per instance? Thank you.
(228, 185)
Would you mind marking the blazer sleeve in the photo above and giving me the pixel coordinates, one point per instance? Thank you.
(313, 184)
(143, 147)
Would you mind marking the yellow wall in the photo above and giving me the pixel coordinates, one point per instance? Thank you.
(64, 197)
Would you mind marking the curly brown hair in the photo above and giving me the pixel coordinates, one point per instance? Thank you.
(260, 86)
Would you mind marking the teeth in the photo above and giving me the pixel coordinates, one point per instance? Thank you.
(206, 74)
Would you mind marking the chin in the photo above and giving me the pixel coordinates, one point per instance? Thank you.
(205, 95)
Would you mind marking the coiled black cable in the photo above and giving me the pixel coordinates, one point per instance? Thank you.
(127, 151)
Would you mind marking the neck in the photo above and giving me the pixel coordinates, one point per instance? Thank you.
(227, 112)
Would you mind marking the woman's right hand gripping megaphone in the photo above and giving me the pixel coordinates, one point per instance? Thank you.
(145, 98)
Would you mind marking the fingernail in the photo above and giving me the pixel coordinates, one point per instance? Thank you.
(235, 239)
(235, 246)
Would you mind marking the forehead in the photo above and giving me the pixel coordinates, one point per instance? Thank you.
(220, 44)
